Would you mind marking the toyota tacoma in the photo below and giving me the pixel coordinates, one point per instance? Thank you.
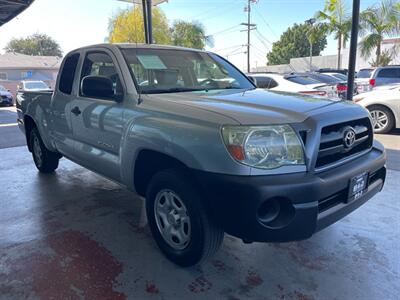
(210, 152)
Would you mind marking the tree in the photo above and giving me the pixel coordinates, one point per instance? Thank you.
(127, 26)
(376, 23)
(384, 59)
(338, 22)
(191, 35)
(295, 42)
(37, 44)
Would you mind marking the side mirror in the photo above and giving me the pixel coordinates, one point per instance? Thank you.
(97, 87)
(253, 80)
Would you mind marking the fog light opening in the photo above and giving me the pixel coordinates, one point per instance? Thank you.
(269, 211)
(276, 212)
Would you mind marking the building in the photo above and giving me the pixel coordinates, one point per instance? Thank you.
(15, 67)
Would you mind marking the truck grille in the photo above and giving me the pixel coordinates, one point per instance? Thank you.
(342, 140)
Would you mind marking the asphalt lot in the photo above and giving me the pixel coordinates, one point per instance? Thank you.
(76, 235)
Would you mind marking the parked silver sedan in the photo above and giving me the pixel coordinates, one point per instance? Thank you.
(383, 104)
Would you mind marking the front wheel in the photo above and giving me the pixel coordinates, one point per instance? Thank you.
(45, 160)
(382, 118)
(178, 220)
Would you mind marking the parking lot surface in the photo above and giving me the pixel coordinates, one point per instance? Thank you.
(76, 235)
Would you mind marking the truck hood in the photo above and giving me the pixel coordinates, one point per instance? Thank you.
(256, 106)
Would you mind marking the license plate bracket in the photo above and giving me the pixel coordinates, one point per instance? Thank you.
(357, 187)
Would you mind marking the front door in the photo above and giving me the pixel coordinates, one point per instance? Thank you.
(98, 122)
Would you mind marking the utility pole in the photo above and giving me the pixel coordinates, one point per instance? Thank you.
(353, 49)
(249, 28)
(248, 35)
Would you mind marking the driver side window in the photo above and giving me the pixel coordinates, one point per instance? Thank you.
(101, 64)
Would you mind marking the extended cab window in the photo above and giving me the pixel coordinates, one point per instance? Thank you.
(68, 73)
(101, 64)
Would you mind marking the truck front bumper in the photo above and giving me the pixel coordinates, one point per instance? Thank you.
(282, 208)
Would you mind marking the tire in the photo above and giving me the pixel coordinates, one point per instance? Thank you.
(385, 118)
(45, 160)
(197, 238)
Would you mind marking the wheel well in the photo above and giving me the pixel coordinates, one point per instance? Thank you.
(381, 105)
(29, 125)
(147, 164)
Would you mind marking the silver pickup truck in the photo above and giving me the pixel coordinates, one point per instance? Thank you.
(209, 152)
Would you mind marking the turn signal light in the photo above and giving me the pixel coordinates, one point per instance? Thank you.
(236, 151)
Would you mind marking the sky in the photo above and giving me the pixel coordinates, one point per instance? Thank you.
(76, 23)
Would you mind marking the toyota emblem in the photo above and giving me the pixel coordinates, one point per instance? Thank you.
(349, 137)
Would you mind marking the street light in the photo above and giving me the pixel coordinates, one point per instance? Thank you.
(311, 22)
(147, 18)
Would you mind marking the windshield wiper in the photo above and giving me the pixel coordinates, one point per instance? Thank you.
(172, 90)
(225, 88)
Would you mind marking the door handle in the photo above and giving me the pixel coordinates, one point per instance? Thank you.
(76, 111)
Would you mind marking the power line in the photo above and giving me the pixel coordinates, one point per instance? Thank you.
(234, 51)
(224, 30)
(231, 47)
(266, 23)
(218, 14)
(259, 50)
(263, 37)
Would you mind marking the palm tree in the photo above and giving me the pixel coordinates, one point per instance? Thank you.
(376, 23)
(338, 22)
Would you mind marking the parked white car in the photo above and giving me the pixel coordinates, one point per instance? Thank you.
(383, 103)
(31, 86)
(362, 80)
(292, 83)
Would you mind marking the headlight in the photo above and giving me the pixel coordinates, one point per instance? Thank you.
(264, 147)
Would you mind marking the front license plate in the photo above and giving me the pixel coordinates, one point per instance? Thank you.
(358, 185)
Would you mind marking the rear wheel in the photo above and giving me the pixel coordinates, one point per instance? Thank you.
(178, 220)
(45, 160)
(382, 118)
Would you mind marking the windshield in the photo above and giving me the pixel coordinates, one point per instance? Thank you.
(2, 88)
(340, 76)
(36, 85)
(171, 71)
(366, 73)
(324, 78)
